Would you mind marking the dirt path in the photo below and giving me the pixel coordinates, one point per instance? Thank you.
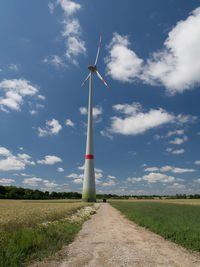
(111, 240)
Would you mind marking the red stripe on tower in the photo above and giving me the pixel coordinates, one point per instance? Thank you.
(89, 157)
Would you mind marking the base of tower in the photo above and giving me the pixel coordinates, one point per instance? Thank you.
(89, 195)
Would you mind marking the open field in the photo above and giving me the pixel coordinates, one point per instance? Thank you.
(34, 229)
(179, 223)
(21, 213)
(163, 200)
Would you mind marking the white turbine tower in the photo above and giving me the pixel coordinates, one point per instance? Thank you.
(89, 188)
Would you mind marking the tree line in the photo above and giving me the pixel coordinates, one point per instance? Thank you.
(13, 192)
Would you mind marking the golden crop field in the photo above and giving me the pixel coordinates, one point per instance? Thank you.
(22, 213)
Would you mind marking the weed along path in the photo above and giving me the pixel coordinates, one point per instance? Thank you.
(109, 239)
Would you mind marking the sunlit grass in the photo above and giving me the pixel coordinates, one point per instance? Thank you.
(179, 223)
(19, 213)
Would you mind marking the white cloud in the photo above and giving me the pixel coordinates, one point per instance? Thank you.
(176, 132)
(51, 7)
(78, 181)
(176, 186)
(134, 179)
(136, 121)
(81, 167)
(55, 61)
(83, 110)
(41, 97)
(10, 162)
(96, 111)
(59, 169)
(176, 170)
(151, 169)
(153, 177)
(98, 170)
(32, 181)
(122, 63)
(14, 67)
(111, 177)
(109, 183)
(168, 168)
(71, 27)
(52, 127)
(178, 151)
(74, 175)
(50, 160)
(197, 180)
(15, 91)
(5, 181)
(176, 66)
(69, 7)
(158, 177)
(197, 162)
(49, 184)
(69, 123)
(71, 33)
(179, 141)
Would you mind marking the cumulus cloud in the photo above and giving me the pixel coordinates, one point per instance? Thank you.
(55, 61)
(78, 178)
(9, 162)
(111, 177)
(135, 120)
(70, 123)
(168, 168)
(14, 67)
(176, 65)
(52, 127)
(59, 169)
(49, 160)
(151, 169)
(176, 186)
(109, 183)
(32, 181)
(179, 141)
(71, 32)
(178, 151)
(5, 181)
(96, 111)
(15, 92)
(153, 177)
(197, 162)
(122, 63)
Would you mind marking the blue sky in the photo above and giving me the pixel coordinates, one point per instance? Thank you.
(146, 125)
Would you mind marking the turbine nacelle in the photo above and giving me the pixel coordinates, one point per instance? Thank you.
(92, 68)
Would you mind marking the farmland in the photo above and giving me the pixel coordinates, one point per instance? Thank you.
(34, 229)
(179, 223)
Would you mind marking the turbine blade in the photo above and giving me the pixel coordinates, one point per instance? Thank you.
(101, 78)
(85, 80)
(98, 50)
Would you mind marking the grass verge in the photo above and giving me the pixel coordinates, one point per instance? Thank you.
(19, 247)
(178, 223)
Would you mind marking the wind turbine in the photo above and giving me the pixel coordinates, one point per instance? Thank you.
(89, 188)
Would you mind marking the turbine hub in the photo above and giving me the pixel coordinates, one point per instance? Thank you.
(92, 68)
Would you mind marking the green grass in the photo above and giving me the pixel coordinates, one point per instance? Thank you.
(21, 245)
(179, 223)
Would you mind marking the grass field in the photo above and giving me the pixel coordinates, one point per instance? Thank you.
(163, 200)
(179, 223)
(34, 229)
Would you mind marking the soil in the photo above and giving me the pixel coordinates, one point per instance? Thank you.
(109, 239)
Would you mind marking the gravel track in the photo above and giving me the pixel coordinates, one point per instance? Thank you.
(108, 239)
